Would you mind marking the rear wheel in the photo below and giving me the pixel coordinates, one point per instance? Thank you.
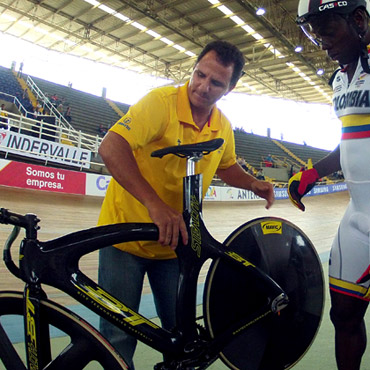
(285, 253)
(84, 346)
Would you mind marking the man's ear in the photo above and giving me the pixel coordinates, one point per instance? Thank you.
(361, 21)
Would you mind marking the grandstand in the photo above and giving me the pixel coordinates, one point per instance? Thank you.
(305, 152)
(287, 157)
(253, 148)
(89, 112)
(11, 89)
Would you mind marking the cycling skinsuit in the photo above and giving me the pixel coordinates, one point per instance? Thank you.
(349, 260)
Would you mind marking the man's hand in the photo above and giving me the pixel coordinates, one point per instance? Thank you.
(238, 178)
(170, 223)
(264, 190)
(300, 184)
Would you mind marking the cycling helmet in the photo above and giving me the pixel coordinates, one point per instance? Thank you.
(308, 8)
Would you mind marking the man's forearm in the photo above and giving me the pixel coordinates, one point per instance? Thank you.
(120, 161)
(329, 164)
(235, 176)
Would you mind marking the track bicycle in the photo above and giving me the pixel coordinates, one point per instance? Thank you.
(262, 302)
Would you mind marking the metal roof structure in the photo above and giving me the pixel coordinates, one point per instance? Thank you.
(162, 38)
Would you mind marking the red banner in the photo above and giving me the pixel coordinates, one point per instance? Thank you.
(30, 176)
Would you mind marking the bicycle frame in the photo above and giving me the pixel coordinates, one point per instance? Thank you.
(55, 263)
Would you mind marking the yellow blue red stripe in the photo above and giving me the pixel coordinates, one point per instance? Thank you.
(355, 126)
(347, 288)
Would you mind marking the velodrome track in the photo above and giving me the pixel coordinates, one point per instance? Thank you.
(61, 214)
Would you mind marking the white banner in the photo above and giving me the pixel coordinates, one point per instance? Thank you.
(226, 193)
(35, 147)
(96, 185)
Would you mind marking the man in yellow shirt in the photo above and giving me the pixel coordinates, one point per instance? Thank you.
(145, 189)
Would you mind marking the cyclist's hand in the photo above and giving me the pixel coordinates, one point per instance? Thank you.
(264, 190)
(170, 223)
(300, 184)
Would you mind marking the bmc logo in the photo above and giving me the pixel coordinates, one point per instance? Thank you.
(332, 5)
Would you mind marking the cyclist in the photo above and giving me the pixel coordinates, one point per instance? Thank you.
(341, 28)
(145, 189)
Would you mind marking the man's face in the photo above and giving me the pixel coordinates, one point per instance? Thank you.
(209, 81)
(337, 37)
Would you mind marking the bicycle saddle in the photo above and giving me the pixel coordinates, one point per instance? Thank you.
(190, 150)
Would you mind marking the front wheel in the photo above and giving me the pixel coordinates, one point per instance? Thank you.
(85, 347)
(285, 253)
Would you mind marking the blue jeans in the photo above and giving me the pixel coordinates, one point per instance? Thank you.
(122, 275)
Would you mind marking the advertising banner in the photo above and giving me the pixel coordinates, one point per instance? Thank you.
(30, 176)
(35, 147)
(225, 193)
(96, 185)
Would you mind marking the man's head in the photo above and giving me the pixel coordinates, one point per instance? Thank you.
(215, 74)
(310, 8)
(339, 27)
(227, 54)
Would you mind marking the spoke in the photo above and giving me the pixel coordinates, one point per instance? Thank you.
(75, 356)
(8, 354)
(85, 345)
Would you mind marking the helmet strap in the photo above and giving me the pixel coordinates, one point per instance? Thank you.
(364, 56)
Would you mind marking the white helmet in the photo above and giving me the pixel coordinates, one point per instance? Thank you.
(307, 8)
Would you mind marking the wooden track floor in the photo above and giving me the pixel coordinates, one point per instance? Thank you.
(61, 214)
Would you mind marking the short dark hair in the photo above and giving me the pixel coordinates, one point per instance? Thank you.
(227, 54)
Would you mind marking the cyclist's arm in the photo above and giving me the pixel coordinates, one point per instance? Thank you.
(329, 164)
(237, 177)
(121, 163)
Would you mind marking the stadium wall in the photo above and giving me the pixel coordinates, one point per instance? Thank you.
(30, 176)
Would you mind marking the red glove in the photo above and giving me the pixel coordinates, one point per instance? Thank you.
(300, 184)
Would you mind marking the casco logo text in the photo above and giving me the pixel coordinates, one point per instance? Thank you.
(333, 5)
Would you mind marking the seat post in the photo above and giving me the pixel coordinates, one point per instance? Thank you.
(190, 163)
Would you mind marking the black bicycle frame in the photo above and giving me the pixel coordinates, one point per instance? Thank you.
(201, 247)
(55, 263)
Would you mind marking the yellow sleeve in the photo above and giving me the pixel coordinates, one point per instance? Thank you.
(145, 121)
(229, 156)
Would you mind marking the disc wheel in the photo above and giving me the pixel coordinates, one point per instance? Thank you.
(285, 253)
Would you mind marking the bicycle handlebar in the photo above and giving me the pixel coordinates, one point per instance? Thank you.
(7, 257)
(28, 221)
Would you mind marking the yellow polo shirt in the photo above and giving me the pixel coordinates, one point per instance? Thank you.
(163, 118)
